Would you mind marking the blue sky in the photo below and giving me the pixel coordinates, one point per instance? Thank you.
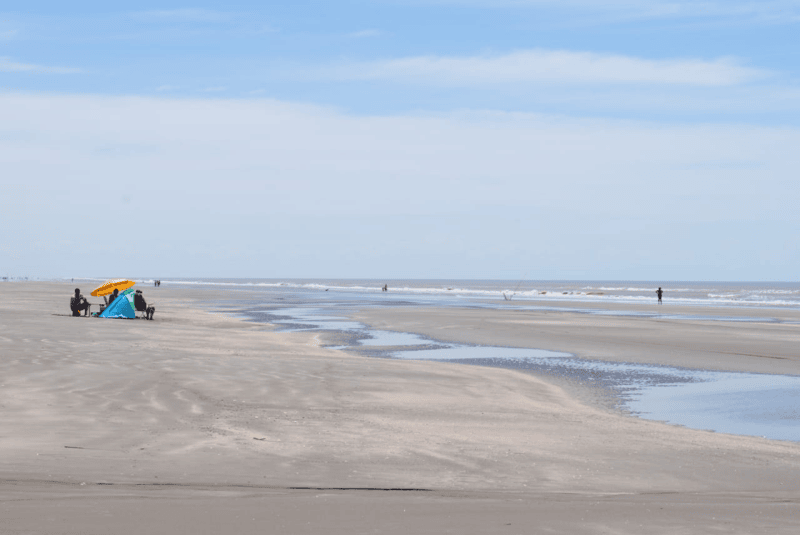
(633, 139)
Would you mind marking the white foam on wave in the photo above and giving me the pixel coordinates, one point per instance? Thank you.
(762, 297)
(356, 288)
(636, 289)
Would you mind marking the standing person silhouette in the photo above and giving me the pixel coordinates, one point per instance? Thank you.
(659, 292)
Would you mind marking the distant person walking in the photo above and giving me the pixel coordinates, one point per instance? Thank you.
(659, 292)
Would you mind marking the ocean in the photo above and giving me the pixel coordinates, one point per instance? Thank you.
(706, 293)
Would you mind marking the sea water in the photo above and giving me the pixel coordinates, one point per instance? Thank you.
(735, 294)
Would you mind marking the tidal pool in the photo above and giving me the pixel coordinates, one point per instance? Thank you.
(737, 403)
(726, 402)
(392, 339)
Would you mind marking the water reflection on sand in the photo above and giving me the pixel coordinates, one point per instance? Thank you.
(738, 403)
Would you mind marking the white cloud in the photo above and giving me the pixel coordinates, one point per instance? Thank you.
(739, 11)
(365, 33)
(547, 66)
(587, 12)
(287, 183)
(181, 15)
(746, 102)
(526, 159)
(170, 24)
(7, 65)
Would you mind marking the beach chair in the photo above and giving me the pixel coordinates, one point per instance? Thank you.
(140, 305)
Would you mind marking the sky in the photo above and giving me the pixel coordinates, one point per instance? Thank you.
(453, 139)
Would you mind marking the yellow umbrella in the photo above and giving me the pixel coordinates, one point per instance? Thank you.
(110, 285)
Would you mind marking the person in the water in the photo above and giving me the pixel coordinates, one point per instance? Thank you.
(659, 292)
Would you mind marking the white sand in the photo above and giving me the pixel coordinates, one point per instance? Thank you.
(114, 426)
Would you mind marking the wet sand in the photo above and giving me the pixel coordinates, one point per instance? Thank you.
(766, 346)
(197, 422)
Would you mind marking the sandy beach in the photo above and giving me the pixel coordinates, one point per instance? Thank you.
(198, 422)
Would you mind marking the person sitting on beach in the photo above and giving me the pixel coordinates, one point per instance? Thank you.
(141, 305)
(78, 303)
(659, 292)
(113, 296)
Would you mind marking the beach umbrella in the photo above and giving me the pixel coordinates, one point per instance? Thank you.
(110, 285)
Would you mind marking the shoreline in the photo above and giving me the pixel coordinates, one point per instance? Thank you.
(593, 395)
(435, 322)
(216, 414)
(576, 296)
(712, 345)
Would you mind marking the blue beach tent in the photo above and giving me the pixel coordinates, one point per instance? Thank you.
(122, 307)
